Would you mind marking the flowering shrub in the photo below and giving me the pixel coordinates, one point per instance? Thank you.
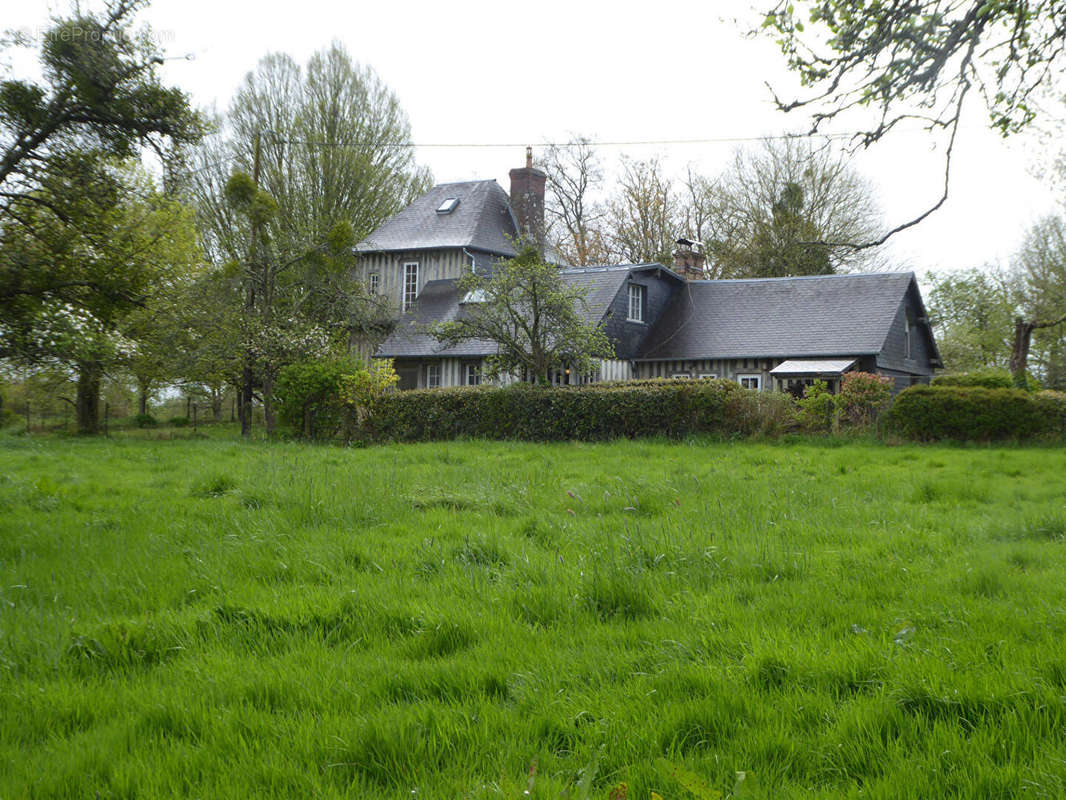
(863, 396)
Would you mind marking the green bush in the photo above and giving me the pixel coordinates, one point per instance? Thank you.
(178, 422)
(987, 378)
(595, 411)
(976, 413)
(310, 395)
(817, 408)
(145, 421)
(863, 396)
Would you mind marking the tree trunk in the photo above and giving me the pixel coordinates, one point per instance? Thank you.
(87, 404)
(143, 386)
(216, 403)
(268, 401)
(246, 397)
(1019, 355)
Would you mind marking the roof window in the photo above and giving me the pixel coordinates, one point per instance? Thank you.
(448, 206)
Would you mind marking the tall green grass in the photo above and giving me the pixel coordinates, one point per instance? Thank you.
(205, 618)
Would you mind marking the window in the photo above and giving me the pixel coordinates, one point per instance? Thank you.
(636, 302)
(750, 381)
(681, 375)
(448, 206)
(708, 375)
(410, 284)
(432, 376)
(907, 338)
(374, 279)
(473, 374)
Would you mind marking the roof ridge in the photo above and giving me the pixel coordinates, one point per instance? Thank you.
(889, 274)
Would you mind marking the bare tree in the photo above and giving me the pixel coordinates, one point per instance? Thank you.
(774, 208)
(575, 216)
(643, 214)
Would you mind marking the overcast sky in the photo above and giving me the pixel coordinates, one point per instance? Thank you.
(497, 73)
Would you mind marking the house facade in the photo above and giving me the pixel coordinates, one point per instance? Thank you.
(776, 334)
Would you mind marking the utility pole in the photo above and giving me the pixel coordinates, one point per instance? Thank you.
(249, 306)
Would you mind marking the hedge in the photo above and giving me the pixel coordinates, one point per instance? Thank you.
(592, 412)
(965, 413)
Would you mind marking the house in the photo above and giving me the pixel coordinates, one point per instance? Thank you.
(768, 334)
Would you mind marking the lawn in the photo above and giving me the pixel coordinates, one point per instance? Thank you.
(206, 618)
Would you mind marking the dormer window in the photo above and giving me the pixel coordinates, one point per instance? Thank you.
(448, 206)
(636, 303)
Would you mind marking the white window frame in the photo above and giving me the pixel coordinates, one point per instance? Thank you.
(708, 376)
(409, 289)
(907, 336)
(755, 376)
(636, 292)
(433, 376)
(374, 282)
(681, 375)
(472, 375)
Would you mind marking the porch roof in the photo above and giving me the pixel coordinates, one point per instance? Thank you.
(796, 367)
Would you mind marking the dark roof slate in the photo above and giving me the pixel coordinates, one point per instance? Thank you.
(825, 315)
(481, 221)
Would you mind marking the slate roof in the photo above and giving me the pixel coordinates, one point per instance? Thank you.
(482, 221)
(439, 302)
(816, 316)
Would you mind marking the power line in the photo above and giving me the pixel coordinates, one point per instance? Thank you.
(584, 143)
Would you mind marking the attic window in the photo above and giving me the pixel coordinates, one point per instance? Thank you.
(448, 206)
(475, 296)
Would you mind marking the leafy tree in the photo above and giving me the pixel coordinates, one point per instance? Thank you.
(772, 210)
(100, 100)
(918, 60)
(533, 316)
(141, 244)
(1041, 263)
(973, 311)
(329, 141)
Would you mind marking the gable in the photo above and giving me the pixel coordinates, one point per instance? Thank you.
(480, 219)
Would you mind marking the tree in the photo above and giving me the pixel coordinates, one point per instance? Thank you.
(1042, 267)
(101, 99)
(918, 60)
(771, 210)
(575, 216)
(139, 244)
(332, 148)
(533, 315)
(643, 214)
(973, 311)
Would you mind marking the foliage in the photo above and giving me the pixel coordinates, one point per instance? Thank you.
(817, 407)
(973, 312)
(311, 394)
(987, 378)
(973, 413)
(586, 413)
(364, 390)
(863, 397)
(145, 421)
(534, 317)
(643, 214)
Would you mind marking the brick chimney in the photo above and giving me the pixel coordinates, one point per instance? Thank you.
(689, 260)
(527, 200)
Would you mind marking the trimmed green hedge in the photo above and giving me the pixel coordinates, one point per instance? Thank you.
(965, 413)
(595, 411)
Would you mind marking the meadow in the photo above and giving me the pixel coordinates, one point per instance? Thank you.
(209, 618)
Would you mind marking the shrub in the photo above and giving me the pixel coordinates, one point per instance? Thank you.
(863, 396)
(310, 395)
(817, 407)
(178, 422)
(987, 378)
(976, 413)
(145, 421)
(596, 411)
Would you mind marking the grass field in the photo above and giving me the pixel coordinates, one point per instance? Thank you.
(205, 618)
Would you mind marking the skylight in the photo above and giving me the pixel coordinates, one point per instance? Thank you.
(448, 206)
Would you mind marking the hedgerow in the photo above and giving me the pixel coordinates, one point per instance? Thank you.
(974, 413)
(592, 412)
